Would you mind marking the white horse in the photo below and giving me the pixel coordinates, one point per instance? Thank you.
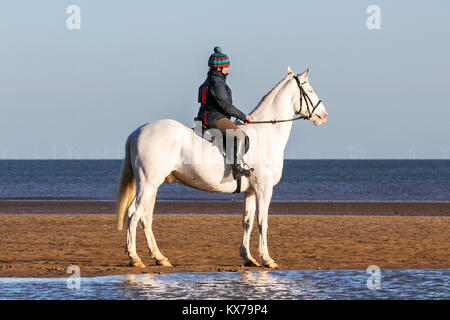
(166, 150)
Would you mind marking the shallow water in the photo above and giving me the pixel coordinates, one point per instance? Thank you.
(264, 285)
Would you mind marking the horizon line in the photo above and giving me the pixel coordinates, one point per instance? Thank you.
(84, 159)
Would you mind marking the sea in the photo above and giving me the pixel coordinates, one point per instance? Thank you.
(336, 180)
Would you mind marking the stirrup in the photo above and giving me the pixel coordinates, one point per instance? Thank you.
(239, 171)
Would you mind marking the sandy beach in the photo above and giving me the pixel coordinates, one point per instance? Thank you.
(44, 245)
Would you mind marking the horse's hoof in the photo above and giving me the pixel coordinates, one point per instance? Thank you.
(164, 262)
(271, 265)
(251, 263)
(137, 263)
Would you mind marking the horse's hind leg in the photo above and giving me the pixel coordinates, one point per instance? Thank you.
(146, 222)
(133, 219)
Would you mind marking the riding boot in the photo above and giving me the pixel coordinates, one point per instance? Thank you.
(239, 150)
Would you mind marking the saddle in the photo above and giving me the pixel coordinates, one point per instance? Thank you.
(203, 133)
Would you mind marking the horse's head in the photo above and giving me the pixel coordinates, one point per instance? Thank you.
(308, 103)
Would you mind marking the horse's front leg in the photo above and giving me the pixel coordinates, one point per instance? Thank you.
(247, 224)
(263, 197)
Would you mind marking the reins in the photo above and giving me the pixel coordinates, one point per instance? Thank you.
(303, 96)
(275, 121)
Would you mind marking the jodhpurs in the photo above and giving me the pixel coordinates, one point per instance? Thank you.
(239, 142)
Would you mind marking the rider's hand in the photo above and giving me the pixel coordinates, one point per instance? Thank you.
(247, 119)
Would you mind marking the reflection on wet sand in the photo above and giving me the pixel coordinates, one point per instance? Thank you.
(306, 284)
(266, 283)
(262, 285)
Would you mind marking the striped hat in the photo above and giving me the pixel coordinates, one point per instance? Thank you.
(218, 59)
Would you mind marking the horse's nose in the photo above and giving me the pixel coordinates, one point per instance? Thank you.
(324, 116)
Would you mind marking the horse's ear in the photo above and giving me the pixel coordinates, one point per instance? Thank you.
(289, 70)
(304, 75)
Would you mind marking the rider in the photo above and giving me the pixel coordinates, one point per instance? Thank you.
(216, 107)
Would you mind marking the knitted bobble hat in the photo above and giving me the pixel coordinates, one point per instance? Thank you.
(218, 59)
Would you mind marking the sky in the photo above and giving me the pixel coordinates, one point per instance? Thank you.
(78, 93)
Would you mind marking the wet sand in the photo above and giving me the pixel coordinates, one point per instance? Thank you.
(44, 245)
(83, 206)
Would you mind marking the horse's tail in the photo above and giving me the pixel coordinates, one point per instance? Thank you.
(127, 188)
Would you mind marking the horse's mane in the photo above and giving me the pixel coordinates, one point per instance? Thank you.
(271, 94)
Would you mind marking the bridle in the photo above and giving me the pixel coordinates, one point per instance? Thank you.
(303, 97)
